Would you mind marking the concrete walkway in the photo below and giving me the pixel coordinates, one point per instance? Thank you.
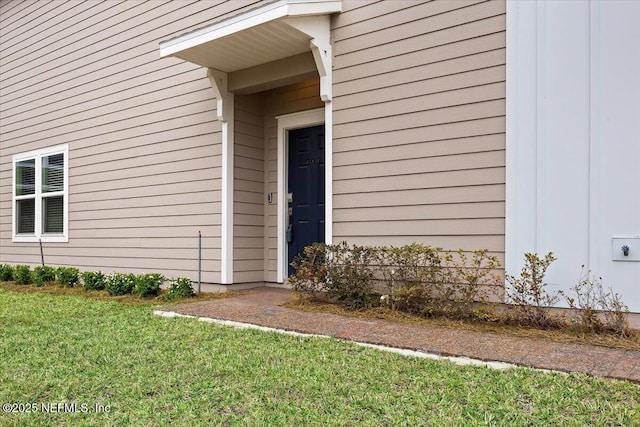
(263, 307)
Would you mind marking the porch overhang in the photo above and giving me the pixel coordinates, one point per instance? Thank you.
(275, 31)
(274, 44)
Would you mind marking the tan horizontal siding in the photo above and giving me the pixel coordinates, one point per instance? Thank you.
(406, 19)
(422, 119)
(483, 27)
(468, 161)
(125, 100)
(424, 180)
(23, 29)
(163, 185)
(443, 132)
(493, 243)
(412, 67)
(445, 147)
(124, 251)
(417, 212)
(414, 104)
(73, 36)
(429, 227)
(144, 142)
(419, 91)
(248, 212)
(386, 91)
(150, 202)
(20, 19)
(152, 112)
(138, 27)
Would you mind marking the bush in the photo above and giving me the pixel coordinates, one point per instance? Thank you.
(591, 297)
(148, 285)
(22, 274)
(179, 288)
(43, 274)
(6, 273)
(528, 293)
(417, 278)
(414, 275)
(311, 271)
(433, 282)
(120, 284)
(342, 273)
(350, 278)
(67, 277)
(616, 313)
(472, 279)
(93, 280)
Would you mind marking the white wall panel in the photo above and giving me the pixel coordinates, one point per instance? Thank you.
(573, 138)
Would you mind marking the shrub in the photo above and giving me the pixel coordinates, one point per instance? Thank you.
(417, 278)
(586, 302)
(120, 284)
(590, 297)
(471, 281)
(413, 274)
(311, 271)
(93, 280)
(6, 273)
(43, 274)
(67, 277)
(148, 284)
(528, 293)
(179, 288)
(616, 313)
(350, 278)
(430, 281)
(22, 274)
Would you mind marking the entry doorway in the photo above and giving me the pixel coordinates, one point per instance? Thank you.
(305, 189)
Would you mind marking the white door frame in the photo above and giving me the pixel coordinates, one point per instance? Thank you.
(287, 122)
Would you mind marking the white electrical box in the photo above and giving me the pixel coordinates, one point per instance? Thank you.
(625, 248)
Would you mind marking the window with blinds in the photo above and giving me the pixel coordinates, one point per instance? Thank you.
(40, 195)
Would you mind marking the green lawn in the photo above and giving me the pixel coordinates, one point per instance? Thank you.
(147, 371)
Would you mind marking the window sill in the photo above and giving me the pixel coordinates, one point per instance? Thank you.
(45, 239)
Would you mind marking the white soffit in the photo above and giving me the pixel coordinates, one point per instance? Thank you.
(255, 37)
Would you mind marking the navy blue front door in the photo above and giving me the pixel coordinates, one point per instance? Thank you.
(305, 198)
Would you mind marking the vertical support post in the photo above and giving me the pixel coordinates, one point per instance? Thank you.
(225, 111)
(328, 173)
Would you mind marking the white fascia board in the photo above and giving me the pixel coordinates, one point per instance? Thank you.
(259, 16)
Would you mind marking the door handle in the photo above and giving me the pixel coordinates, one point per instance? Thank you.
(290, 234)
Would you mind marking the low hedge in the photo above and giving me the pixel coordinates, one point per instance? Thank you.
(430, 281)
(144, 285)
(413, 278)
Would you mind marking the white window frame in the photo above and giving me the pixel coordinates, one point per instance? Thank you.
(38, 155)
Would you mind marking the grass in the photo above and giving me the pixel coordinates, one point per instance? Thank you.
(150, 371)
(631, 342)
